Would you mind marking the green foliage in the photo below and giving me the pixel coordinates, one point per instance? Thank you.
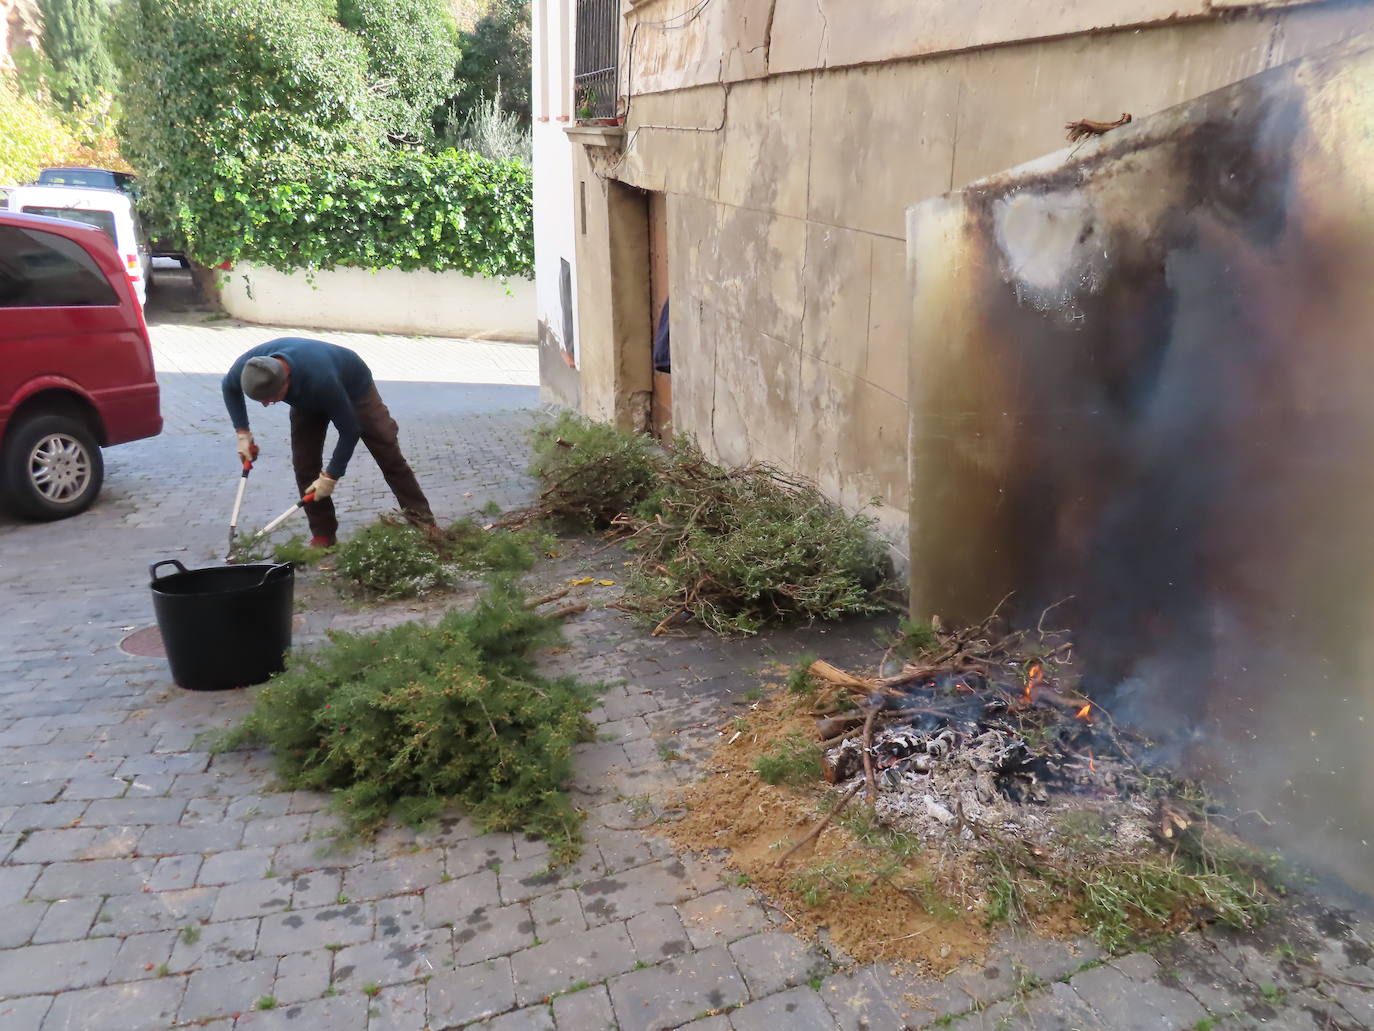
(591, 471)
(411, 53)
(793, 761)
(214, 87)
(298, 552)
(400, 723)
(736, 549)
(494, 133)
(495, 63)
(800, 681)
(397, 209)
(391, 560)
(851, 876)
(742, 548)
(74, 45)
(34, 135)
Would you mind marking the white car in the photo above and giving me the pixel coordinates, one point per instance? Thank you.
(109, 210)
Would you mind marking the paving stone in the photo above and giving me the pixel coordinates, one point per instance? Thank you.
(67, 920)
(492, 931)
(394, 876)
(15, 882)
(215, 945)
(318, 888)
(557, 915)
(799, 1009)
(454, 901)
(470, 993)
(658, 935)
(485, 852)
(131, 811)
(134, 1006)
(39, 817)
(871, 998)
(336, 1013)
(1135, 1006)
(227, 990)
(302, 976)
(57, 967)
(674, 992)
(529, 847)
(248, 864)
(252, 899)
(174, 839)
(554, 967)
(531, 1018)
(401, 915)
(24, 1014)
(398, 1008)
(310, 856)
(276, 830)
(392, 961)
(18, 921)
(624, 894)
(154, 911)
(721, 917)
(1358, 1002)
(304, 930)
(78, 843)
(86, 789)
(717, 1023)
(96, 877)
(772, 961)
(586, 1010)
(141, 956)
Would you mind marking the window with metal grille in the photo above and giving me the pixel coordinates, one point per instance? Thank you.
(595, 81)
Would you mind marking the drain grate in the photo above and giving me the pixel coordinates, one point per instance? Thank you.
(145, 643)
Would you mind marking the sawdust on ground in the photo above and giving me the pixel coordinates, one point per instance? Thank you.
(873, 905)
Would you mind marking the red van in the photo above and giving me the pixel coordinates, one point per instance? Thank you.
(76, 367)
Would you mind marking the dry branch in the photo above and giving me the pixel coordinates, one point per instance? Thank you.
(820, 827)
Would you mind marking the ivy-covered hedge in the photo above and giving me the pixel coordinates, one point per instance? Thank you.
(399, 209)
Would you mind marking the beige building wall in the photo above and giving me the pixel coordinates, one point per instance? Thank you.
(790, 137)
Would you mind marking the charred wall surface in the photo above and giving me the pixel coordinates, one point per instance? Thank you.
(1142, 375)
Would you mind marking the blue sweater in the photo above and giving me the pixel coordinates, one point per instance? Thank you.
(326, 379)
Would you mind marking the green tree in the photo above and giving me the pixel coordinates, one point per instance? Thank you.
(74, 44)
(411, 53)
(213, 87)
(495, 61)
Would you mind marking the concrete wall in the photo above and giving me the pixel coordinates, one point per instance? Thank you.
(554, 210)
(787, 192)
(384, 301)
(1139, 387)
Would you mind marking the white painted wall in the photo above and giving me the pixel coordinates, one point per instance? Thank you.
(554, 204)
(385, 301)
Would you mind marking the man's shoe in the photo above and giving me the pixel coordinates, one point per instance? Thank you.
(322, 542)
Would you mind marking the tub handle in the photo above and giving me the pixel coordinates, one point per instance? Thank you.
(152, 570)
(274, 571)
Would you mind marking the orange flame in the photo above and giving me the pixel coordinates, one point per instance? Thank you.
(1092, 766)
(1085, 713)
(1032, 680)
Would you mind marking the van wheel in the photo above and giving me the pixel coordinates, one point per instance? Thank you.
(51, 468)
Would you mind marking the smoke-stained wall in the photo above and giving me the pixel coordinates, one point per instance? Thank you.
(1142, 375)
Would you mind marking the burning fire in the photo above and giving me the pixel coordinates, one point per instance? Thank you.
(1033, 676)
(1085, 713)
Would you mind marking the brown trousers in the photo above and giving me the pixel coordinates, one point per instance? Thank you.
(380, 437)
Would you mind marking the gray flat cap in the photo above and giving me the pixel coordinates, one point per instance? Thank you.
(263, 378)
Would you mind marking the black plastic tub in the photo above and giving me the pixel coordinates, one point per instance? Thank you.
(224, 626)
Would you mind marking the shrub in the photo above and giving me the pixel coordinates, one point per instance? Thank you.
(398, 209)
(74, 47)
(411, 55)
(405, 721)
(735, 549)
(391, 560)
(34, 136)
(592, 472)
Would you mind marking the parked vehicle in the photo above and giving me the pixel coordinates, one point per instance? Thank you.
(98, 178)
(76, 365)
(110, 211)
(105, 179)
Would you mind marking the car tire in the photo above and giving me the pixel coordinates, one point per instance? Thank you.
(51, 467)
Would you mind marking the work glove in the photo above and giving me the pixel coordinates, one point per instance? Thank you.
(248, 451)
(322, 487)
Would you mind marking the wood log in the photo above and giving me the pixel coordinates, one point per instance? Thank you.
(834, 675)
(832, 726)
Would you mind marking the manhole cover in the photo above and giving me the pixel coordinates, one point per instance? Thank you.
(145, 643)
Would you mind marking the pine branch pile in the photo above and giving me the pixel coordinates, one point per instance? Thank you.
(403, 722)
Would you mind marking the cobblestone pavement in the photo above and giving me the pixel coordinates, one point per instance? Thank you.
(147, 884)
